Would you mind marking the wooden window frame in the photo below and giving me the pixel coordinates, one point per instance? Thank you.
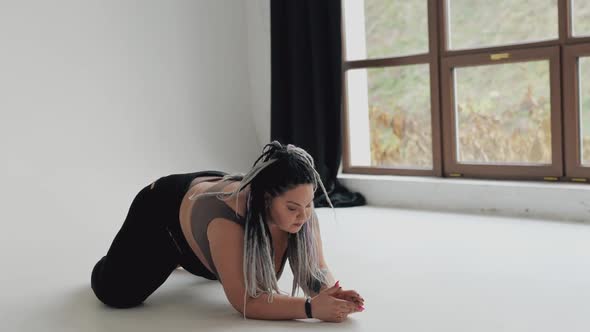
(574, 169)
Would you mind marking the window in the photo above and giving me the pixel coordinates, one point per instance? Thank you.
(391, 87)
(467, 88)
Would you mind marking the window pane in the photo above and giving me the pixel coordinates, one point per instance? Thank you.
(580, 18)
(389, 117)
(584, 75)
(385, 28)
(503, 113)
(476, 24)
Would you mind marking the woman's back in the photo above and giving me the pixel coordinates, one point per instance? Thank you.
(198, 186)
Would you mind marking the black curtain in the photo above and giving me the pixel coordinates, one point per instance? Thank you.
(306, 81)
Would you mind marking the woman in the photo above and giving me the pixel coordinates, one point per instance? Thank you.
(238, 229)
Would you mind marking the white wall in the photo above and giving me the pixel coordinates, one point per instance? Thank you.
(258, 21)
(99, 98)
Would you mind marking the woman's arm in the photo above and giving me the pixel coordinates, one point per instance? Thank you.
(226, 241)
(282, 307)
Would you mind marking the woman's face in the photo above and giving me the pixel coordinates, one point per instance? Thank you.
(292, 209)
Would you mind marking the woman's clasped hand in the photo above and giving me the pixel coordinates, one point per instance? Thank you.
(334, 304)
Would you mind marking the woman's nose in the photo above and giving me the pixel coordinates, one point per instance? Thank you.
(302, 217)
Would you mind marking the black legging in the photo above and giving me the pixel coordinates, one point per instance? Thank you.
(149, 245)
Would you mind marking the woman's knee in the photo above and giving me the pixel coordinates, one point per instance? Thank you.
(110, 293)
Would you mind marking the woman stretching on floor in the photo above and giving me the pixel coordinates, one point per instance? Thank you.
(238, 229)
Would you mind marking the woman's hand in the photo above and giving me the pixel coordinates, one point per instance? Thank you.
(350, 295)
(327, 307)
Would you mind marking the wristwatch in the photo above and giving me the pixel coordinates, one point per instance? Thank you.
(308, 307)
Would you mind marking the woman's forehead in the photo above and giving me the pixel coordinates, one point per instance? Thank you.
(300, 194)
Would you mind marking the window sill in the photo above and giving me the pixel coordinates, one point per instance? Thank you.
(556, 201)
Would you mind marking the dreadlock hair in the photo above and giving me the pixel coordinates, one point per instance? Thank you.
(280, 168)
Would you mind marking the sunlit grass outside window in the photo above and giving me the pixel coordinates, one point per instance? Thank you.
(503, 113)
(476, 24)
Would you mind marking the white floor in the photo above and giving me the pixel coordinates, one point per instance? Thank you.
(418, 271)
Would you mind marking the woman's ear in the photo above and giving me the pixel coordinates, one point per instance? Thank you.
(267, 200)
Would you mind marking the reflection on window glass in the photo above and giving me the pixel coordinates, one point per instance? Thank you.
(580, 18)
(477, 24)
(503, 114)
